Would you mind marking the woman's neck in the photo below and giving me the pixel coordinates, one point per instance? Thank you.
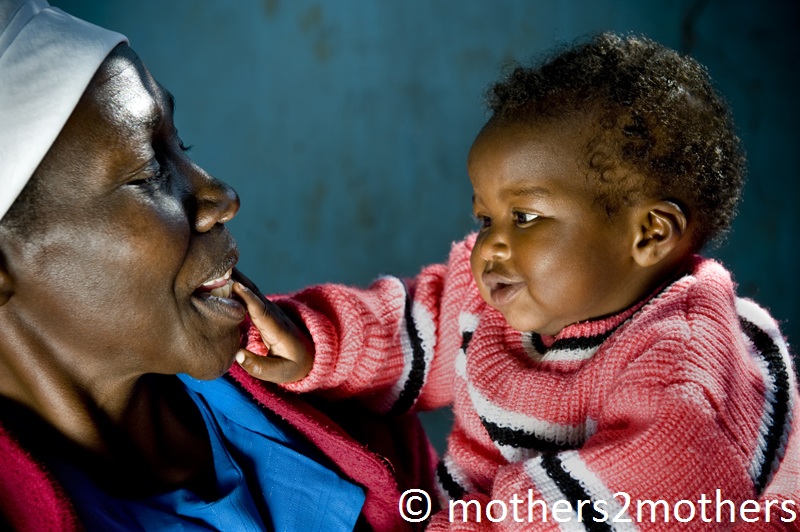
(143, 434)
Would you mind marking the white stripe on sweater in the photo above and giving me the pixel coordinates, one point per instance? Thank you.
(467, 322)
(423, 324)
(426, 329)
(458, 475)
(757, 462)
(761, 319)
(550, 495)
(557, 355)
(597, 490)
(560, 433)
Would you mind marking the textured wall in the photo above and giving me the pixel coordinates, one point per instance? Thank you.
(345, 125)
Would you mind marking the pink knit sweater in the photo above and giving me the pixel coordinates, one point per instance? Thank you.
(682, 395)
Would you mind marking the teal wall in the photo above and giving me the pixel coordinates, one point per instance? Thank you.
(344, 125)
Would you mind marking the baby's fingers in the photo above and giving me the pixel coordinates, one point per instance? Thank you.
(290, 351)
(270, 368)
(270, 321)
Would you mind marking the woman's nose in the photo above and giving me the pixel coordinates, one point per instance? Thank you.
(216, 203)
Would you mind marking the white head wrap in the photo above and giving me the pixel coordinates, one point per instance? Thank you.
(47, 58)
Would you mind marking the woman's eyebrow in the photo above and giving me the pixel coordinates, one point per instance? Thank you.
(160, 112)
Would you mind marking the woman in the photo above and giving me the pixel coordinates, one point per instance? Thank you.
(118, 320)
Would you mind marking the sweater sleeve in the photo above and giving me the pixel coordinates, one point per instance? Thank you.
(392, 344)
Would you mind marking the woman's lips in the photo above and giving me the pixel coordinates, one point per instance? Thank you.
(214, 297)
(219, 287)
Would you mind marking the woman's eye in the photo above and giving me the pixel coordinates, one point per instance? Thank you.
(184, 147)
(157, 176)
(522, 218)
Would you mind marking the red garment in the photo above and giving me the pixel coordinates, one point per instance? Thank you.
(688, 392)
(383, 458)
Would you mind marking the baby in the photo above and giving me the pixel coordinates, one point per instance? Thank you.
(589, 354)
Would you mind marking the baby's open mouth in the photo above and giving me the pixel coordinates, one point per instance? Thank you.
(219, 287)
(501, 294)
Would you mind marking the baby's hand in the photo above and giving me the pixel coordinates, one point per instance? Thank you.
(290, 350)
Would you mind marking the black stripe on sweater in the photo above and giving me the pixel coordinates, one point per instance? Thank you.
(538, 345)
(416, 375)
(521, 439)
(581, 342)
(566, 344)
(574, 492)
(465, 339)
(779, 374)
(454, 490)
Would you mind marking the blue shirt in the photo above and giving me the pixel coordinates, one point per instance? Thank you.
(261, 468)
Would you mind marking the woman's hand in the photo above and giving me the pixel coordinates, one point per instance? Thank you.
(290, 350)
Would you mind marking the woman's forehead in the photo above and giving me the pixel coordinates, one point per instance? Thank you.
(124, 92)
(112, 129)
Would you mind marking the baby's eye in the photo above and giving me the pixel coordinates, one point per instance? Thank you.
(483, 221)
(522, 218)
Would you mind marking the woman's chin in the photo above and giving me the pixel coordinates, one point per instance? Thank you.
(216, 362)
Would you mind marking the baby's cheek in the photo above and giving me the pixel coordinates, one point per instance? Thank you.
(476, 262)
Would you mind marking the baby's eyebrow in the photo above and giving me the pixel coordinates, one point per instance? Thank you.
(529, 191)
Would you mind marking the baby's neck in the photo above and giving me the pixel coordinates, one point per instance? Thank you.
(602, 324)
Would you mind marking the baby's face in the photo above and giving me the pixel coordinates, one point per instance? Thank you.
(547, 254)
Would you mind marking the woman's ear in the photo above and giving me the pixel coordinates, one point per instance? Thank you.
(662, 229)
(6, 281)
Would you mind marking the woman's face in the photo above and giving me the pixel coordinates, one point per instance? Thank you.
(127, 229)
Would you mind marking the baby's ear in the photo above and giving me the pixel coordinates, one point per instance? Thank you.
(662, 230)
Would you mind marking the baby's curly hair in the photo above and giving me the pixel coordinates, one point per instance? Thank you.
(663, 130)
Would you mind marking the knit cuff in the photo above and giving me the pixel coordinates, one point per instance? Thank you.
(323, 358)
